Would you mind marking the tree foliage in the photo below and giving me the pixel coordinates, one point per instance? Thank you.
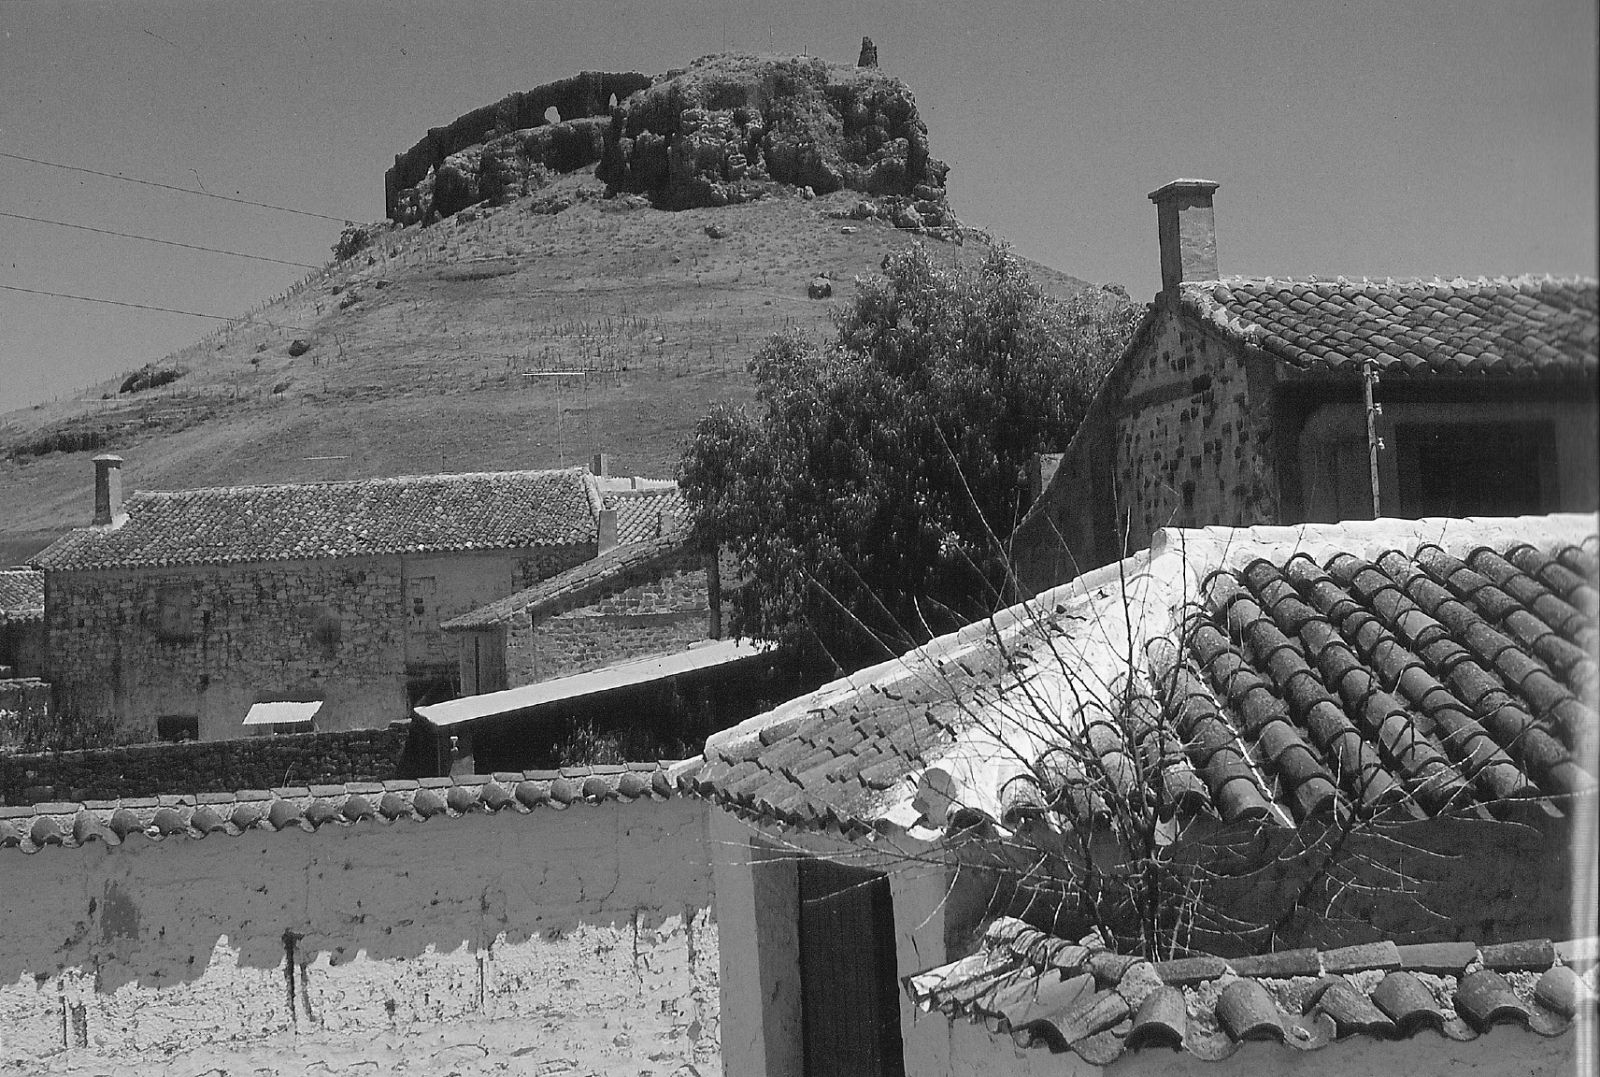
(868, 494)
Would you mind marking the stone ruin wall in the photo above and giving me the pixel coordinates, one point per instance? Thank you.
(539, 940)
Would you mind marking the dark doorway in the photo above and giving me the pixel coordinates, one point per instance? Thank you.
(850, 997)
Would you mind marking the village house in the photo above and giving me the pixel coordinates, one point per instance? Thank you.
(21, 622)
(1245, 401)
(628, 647)
(646, 591)
(1363, 752)
(211, 612)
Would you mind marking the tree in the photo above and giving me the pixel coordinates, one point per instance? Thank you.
(867, 496)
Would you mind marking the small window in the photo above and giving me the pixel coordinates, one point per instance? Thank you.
(178, 727)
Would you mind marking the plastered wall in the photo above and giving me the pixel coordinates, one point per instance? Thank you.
(555, 925)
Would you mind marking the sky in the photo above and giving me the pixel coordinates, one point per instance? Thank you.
(1359, 138)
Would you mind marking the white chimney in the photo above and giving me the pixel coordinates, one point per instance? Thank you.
(600, 465)
(607, 536)
(1186, 230)
(107, 489)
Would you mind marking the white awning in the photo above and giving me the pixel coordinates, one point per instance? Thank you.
(282, 712)
(703, 655)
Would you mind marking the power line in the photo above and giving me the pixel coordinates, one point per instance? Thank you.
(146, 306)
(153, 239)
(170, 187)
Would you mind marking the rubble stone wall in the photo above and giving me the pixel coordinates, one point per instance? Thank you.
(143, 770)
(584, 934)
(1180, 436)
(664, 614)
(210, 641)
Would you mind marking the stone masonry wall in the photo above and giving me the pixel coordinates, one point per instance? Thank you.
(142, 770)
(1178, 437)
(664, 614)
(212, 640)
(1192, 437)
(580, 940)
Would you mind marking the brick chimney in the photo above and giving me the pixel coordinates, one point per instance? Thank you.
(107, 489)
(606, 539)
(1187, 231)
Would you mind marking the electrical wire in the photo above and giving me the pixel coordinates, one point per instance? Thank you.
(180, 190)
(147, 306)
(153, 239)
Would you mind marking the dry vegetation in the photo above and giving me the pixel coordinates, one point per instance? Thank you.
(419, 361)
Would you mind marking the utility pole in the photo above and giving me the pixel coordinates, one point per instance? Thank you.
(1369, 380)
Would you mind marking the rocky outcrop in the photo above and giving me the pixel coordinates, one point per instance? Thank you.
(727, 129)
(721, 130)
(589, 94)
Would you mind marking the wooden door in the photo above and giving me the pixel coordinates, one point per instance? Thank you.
(850, 993)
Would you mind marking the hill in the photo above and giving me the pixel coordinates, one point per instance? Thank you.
(527, 334)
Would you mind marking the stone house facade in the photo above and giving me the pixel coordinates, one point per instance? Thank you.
(1244, 401)
(175, 612)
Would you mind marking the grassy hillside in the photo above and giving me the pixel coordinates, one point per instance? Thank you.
(634, 319)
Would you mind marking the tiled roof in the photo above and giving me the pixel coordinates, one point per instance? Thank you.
(1519, 327)
(411, 514)
(648, 513)
(309, 808)
(1050, 993)
(1276, 674)
(615, 566)
(21, 595)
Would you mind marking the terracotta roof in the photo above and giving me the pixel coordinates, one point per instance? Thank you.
(410, 514)
(21, 595)
(1518, 327)
(648, 513)
(1277, 673)
(1055, 994)
(308, 808)
(632, 561)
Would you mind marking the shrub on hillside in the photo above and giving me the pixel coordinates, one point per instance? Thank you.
(354, 239)
(151, 376)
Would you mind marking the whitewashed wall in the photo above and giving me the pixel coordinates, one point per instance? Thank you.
(597, 917)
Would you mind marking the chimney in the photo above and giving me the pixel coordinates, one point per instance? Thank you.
(607, 537)
(1187, 231)
(107, 489)
(600, 465)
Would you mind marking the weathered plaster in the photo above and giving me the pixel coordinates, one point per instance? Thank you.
(586, 914)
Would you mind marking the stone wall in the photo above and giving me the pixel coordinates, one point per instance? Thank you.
(144, 770)
(1179, 436)
(579, 940)
(210, 641)
(23, 702)
(664, 614)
